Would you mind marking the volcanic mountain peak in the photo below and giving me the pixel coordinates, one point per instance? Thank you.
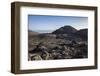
(65, 30)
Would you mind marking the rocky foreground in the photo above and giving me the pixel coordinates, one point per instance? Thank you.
(60, 44)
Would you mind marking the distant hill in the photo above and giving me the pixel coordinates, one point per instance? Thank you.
(65, 30)
(30, 32)
(83, 33)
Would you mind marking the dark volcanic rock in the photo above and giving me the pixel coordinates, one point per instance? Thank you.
(65, 30)
(64, 43)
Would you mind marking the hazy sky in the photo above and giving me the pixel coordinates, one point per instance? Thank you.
(40, 23)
